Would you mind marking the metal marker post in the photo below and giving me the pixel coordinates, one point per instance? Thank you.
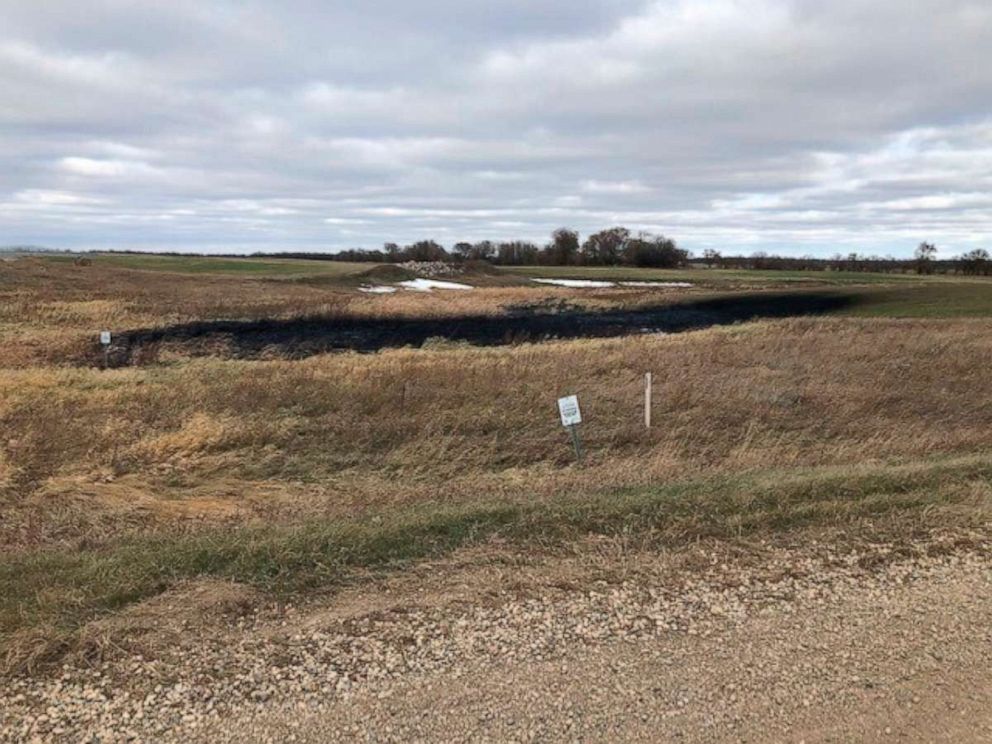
(576, 441)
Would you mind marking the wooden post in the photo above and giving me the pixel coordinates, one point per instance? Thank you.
(647, 400)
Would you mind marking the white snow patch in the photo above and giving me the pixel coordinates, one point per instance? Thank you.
(376, 289)
(590, 283)
(599, 284)
(426, 285)
(656, 284)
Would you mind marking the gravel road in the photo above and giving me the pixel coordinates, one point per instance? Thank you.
(802, 645)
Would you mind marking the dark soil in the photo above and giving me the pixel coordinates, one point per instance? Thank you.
(302, 337)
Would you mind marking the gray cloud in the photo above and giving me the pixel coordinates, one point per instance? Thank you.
(801, 127)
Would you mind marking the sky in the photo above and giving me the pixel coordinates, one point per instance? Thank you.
(799, 127)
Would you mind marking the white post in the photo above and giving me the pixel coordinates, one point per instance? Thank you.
(647, 400)
(105, 343)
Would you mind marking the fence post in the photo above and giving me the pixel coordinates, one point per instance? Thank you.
(647, 400)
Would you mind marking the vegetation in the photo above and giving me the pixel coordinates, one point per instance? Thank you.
(290, 474)
(618, 246)
(183, 264)
(79, 585)
(615, 246)
(732, 278)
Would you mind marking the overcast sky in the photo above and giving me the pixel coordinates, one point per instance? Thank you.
(802, 126)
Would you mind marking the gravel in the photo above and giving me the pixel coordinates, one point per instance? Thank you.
(799, 643)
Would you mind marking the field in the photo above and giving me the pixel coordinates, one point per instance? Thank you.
(260, 267)
(725, 277)
(864, 411)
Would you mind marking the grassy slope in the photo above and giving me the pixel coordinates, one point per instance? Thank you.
(937, 300)
(46, 597)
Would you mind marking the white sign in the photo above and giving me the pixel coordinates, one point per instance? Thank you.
(105, 338)
(568, 407)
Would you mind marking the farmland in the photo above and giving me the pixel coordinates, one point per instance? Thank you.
(726, 277)
(304, 466)
(260, 267)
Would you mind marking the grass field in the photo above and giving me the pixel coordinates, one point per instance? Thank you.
(301, 268)
(295, 475)
(722, 277)
(258, 267)
(937, 300)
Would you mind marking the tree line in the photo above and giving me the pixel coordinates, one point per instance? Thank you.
(615, 246)
(973, 263)
(618, 246)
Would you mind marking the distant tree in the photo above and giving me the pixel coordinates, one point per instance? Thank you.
(354, 254)
(462, 251)
(976, 262)
(425, 250)
(484, 250)
(516, 253)
(711, 257)
(759, 260)
(924, 257)
(606, 247)
(654, 251)
(392, 251)
(564, 247)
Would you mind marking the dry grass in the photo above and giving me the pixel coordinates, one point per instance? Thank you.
(51, 312)
(92, 454)
(115, 485)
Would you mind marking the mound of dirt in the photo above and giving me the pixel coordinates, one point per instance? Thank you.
(385, 274)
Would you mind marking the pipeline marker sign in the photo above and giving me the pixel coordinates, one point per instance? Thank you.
(568, 408)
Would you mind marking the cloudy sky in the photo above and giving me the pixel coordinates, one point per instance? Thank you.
(794, 126)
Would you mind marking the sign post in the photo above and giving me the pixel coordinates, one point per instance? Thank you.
(105, 343)
(571, 417)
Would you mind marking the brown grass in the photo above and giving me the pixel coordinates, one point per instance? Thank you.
(92, 454)
(52, 312)
(116, 485)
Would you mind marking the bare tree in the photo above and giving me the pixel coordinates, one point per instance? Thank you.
(925, 254)
(976, 262)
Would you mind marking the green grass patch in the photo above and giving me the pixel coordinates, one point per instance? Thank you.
(930, 300)
(935, 300)
(59, 591)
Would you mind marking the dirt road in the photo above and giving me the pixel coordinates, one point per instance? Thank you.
(867, 646)
(907, 662)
